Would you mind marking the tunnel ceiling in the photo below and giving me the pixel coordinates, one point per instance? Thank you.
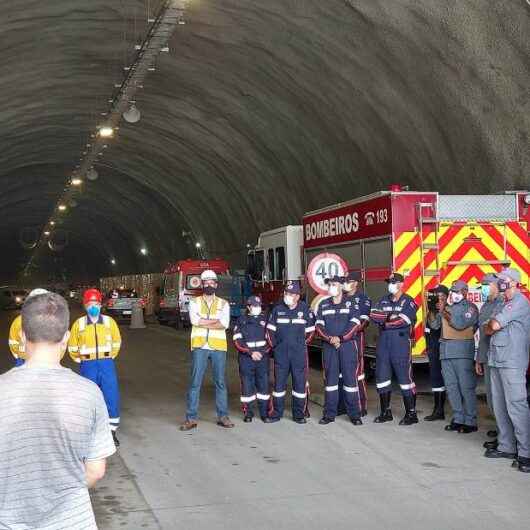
(262, 109)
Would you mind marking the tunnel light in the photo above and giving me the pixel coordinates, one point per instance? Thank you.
(47, 233)
(62, 207)
(77, 182)
(113, 261)
(197, 245)
(143, 251)
(52, 223)
(132, 115)
(106, 132)
(92, 174)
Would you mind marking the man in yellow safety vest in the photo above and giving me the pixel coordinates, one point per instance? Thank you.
(210, 317)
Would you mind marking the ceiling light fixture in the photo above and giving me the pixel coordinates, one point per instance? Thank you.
(62, 207)
(106, 132)
(143, 251)
(76, 181)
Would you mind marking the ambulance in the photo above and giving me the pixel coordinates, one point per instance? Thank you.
(428, 237)
(180, 282)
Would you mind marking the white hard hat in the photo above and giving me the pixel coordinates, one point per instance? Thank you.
(37, 292)
(208, 275)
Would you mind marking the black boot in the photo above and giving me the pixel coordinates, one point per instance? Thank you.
(410, 410)
(386, 413)
(438, 412)
(115, 438)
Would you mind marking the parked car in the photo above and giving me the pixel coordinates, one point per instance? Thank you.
(119, 303)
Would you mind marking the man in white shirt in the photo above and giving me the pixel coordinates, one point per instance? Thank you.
(210, 317)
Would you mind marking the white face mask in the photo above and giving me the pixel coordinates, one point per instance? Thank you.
(288, 300)
(393, 288)
(457, 297)
(255, 310)
(333, 290)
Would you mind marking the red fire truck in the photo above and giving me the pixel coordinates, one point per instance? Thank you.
(180, 282)
(427, 237)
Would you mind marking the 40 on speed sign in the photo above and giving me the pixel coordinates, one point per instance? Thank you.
(324, 266)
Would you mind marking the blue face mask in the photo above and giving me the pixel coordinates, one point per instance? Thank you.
(486, 291)
(93, 311)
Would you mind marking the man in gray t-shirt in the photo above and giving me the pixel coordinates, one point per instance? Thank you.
(54, 430)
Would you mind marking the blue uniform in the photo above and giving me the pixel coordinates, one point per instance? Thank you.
(395, 319)
(433, 333)
(340, 320)
(289, 331)
(249, 336)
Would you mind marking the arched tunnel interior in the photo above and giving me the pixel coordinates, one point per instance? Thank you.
(260, 110)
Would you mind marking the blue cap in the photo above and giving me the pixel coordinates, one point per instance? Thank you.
(459, 285)
(353, 276)
(254, 300)
(509, 274)
(334, 279)
(395, 277)
(489, 278)
(292, 287)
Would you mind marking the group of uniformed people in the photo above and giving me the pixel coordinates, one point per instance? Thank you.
(503, 323)
(282, 338)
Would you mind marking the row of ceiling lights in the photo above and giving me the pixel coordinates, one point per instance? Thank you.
(170, 15)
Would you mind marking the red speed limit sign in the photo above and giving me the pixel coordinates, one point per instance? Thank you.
(324, 266)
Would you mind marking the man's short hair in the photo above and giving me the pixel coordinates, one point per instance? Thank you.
(45, 318)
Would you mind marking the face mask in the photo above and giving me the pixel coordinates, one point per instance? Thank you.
(393, 288)
(333, 290)
(255, 310)
(486, 291)
(503, 285)
(457, 297)
(93, 311)
(347, 287)
(208, 290)
(288, 300)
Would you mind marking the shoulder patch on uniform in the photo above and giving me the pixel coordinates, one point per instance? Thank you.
(468, 314)
(300, 314)
(348, 304)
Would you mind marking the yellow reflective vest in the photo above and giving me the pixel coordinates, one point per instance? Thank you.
(89, 341)
(215, 338)
(15, 339)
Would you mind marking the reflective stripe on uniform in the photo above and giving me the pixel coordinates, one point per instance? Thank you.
(13, 342)
(333, 388)
(328, 312)
(237, 336)
(344, 311)
(299, 321)
(365, 317)
(257, 344)
(102, 349)
(263, 396)
(248, 399)
(310, 329)
(355, 320)
(279, 394)
(361, 377)
(283, 321)
(405, 318)
(350, 389)
(439, 389)
(298, 395)
(407, 387)
(383, 384)
(272, 327)
(320, 322)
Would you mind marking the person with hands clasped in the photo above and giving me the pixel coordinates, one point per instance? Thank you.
(337, 323)
(251, 343)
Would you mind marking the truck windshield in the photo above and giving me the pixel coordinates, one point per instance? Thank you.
(280, 263)
(255, 264)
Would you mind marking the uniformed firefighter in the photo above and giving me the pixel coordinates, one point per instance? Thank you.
(457, 353)
(210, 318)
(95, 342)
(363, 305)
(493, 303)
(16, 344)
(395, 314)
(251, 343)
(433, 331)
(290, 328)
(337, 323)
(508, 361)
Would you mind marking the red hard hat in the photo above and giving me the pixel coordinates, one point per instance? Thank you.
(92, 295)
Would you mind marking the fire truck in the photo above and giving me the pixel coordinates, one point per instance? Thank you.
(180, 282)
(428, 237)
(276, 258)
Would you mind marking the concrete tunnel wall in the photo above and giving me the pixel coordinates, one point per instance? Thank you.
(261, 110)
